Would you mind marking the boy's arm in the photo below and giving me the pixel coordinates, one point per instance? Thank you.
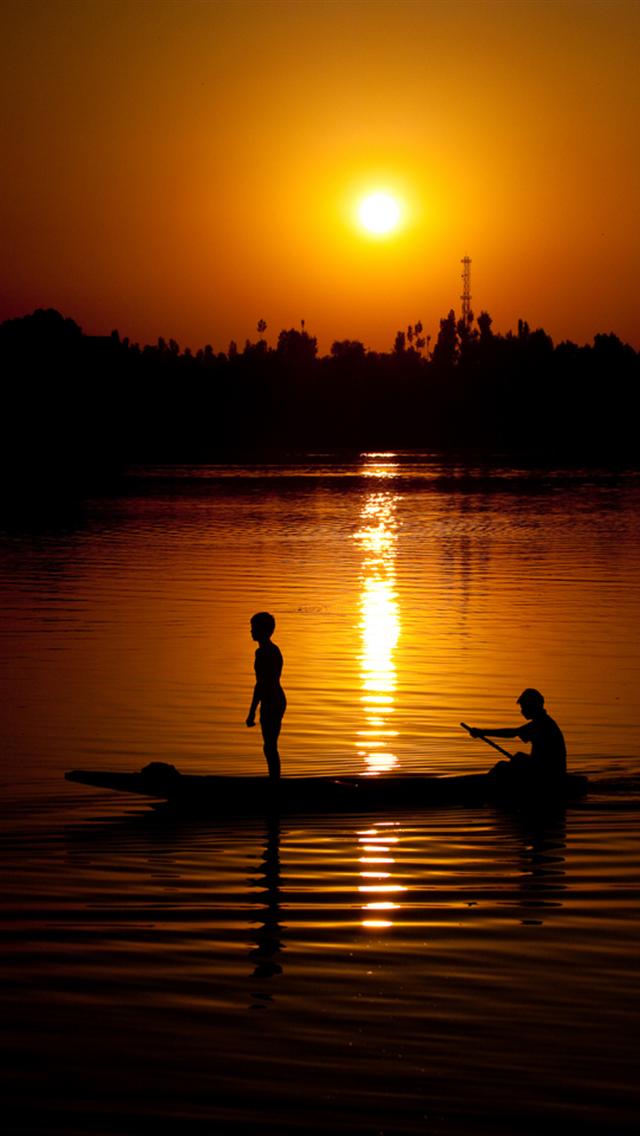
(251, 716)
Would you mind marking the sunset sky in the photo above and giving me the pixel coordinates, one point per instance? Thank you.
(185, 168)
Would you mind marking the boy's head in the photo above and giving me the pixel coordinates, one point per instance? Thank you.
(530, 702)
(263, 626)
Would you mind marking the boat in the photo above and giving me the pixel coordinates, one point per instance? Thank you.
(228, 795)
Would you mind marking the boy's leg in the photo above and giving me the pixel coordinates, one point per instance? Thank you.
(270, 733)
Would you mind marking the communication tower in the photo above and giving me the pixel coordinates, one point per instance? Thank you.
(466, 288)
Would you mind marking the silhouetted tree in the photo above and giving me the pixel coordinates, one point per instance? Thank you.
(445, 351)
(484, 327)
(348, 350)
(297, 346)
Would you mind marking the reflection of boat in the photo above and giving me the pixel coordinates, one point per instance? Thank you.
(215, 794)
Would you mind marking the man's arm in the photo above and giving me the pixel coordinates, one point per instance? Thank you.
(477, 732)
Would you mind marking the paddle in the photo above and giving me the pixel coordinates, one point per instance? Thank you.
(494, 745)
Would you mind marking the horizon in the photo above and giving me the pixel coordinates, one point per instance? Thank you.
(185, 170)
(422, 343)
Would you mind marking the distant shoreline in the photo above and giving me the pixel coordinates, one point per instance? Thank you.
(80, 410)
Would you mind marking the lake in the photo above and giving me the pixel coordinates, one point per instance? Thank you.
(415, 971)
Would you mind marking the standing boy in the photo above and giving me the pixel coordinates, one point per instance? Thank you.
(267, 693)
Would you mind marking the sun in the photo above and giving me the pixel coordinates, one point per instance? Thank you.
(379, 213)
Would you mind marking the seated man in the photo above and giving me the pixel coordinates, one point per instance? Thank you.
(548, 758)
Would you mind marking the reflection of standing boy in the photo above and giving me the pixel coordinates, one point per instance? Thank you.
(267, 693)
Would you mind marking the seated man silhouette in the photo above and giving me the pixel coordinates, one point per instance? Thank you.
(547, 762)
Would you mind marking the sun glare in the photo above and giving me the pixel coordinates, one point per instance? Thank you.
(379, 213)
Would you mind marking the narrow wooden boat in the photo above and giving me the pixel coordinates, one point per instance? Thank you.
(226, 795)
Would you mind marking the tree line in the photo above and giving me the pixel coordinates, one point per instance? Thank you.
(74, 403)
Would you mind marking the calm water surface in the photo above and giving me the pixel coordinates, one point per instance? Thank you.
(433, 971)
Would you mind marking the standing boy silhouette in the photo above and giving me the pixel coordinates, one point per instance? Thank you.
(267, 693)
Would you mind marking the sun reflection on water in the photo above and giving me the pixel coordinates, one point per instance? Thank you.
(379, 626)
(377, 884)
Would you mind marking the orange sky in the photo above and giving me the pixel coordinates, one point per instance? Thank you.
(187, 168)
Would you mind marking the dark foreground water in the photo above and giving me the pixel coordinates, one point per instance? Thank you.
(421, 971)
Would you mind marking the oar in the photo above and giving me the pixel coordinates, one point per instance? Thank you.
(494, 745)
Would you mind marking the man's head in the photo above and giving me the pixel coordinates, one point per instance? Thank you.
(531, 702)
(263, 626)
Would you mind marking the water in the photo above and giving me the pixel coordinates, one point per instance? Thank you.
(426, 971)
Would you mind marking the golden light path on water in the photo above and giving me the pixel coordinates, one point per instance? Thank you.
(376, 847)
(379, 621)
(379, 631)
